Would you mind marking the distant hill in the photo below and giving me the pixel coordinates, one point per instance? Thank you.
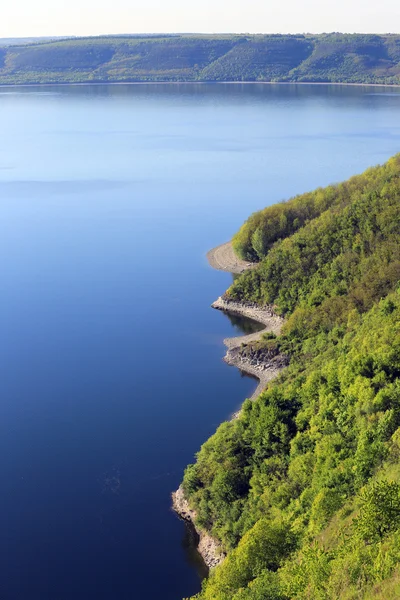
(336, 58)
(17, 41)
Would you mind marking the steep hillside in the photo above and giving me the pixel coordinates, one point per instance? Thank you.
(318, 58)
(267, 58)
(303, 490)
(352, 58)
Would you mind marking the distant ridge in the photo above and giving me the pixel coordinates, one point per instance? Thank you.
(17, 41)
(325, 58)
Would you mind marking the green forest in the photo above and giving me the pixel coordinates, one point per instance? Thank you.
(303, 489)
(334, 57)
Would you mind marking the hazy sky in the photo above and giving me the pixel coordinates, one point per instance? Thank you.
(93, 17)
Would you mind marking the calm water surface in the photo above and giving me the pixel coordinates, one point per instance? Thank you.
(110, 357)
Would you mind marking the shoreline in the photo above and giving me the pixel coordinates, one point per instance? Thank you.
(223, 258)
(207, 547)
(264, 372)
(166, 82)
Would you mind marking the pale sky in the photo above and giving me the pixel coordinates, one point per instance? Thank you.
(91, 17)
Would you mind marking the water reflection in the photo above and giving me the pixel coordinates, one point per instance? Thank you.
(190, 542)
(244, 325)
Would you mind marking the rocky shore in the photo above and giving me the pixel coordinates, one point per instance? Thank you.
(262, 314)
(264, 371)
(264, 363)
(209, 549)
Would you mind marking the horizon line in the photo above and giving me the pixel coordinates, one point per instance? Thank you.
(199, 33)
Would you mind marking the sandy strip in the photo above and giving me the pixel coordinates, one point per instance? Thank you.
(223, 258)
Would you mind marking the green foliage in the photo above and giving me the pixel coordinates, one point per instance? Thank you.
(265, 587)
(344, 257)
(380, 511)
(303, 490)
(219, 482)
(262, 548)
(353, 58)
(264, 228)
(259, 58)
(319, 58)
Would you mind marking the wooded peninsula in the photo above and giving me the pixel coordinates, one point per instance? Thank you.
(301, 492)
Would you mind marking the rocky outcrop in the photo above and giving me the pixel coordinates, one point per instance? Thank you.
(263, 314)
(208, 547)
(245, 351)
(259, 359)
(263, 371)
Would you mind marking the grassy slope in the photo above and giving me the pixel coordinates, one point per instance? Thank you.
(321, 58)
(303, 490)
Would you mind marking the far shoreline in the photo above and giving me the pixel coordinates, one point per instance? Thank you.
(176, 83)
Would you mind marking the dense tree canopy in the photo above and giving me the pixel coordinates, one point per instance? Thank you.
(303, 490)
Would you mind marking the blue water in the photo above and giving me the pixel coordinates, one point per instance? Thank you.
(110, 357)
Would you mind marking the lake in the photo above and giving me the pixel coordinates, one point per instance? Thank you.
(110, 355)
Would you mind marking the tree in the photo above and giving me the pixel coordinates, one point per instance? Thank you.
(380, 511)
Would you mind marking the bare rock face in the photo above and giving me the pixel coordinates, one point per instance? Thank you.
(209, 549)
